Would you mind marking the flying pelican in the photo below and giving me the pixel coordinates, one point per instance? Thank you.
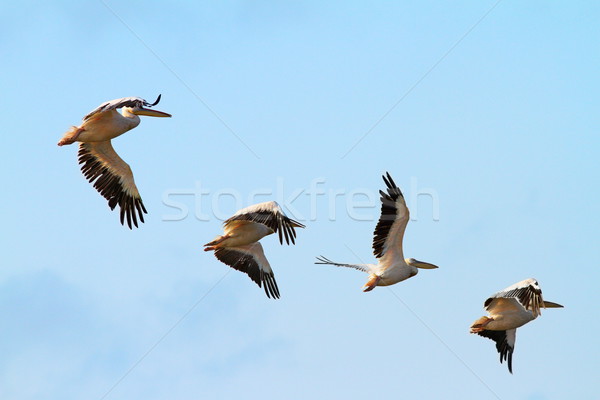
(509, 309)
(391, 267)
(99, 161)
(239, 247)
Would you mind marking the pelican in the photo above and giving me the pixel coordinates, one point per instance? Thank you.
(509, 309)
(240, 248)
(391, 267)
(99, 161)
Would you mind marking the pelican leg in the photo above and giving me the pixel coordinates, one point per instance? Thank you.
(71, 136)
(214, 244)
(480, 324)
(371, 283)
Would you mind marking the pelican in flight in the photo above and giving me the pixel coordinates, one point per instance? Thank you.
(239, 246)
(509, 309)
(391, 267)
(99, 161)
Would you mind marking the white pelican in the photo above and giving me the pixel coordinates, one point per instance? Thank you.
(387, 243)
(239, 247)
(509, 309)
(99, 161)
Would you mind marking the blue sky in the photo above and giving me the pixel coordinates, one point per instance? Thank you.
(495, 118)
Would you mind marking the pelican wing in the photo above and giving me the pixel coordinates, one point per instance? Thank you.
(251, 260)
(360, 267)
(112, 178)
(120, 103)
(270, 215)
(505, 343)
(526, 294)
(389, 232)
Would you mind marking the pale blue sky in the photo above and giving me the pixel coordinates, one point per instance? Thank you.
(503, 130)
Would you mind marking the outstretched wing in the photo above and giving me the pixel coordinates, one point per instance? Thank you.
(112, 178)
(120, 103)
(505, 343)
(360, 267)
(526, 293)
(389, 232)
(251, 260)
(270, 215)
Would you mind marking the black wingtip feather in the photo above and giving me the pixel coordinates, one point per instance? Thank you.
(388, 214)
(270, 285)
(109, 186)
(323, 260)
(389, 181)
(246, 264)
(504, 350)
(279, 223)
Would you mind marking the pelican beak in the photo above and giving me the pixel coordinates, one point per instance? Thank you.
(424, 265)
(420, 264)
(150, 113)
(549, 304)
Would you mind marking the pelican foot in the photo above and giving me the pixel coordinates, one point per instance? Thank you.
(480, 324)
(371, 283)
(64, 141)
(71, 136)
(217, 240)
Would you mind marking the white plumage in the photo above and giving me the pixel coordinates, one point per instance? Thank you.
(101, 164)
(387, 243)
(508, 310)
(239, 248)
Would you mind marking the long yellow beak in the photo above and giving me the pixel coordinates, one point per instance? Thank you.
(420, 264)
(549, 304)
(150, 113)
(424, 265)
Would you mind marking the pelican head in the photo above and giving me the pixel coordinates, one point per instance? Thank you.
(420, 264)
(142, 110)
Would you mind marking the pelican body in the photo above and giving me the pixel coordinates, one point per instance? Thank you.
(508, 310)
(239, 246)
(391, 267)
(240, 233)
(100, 164)
(106, 123)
